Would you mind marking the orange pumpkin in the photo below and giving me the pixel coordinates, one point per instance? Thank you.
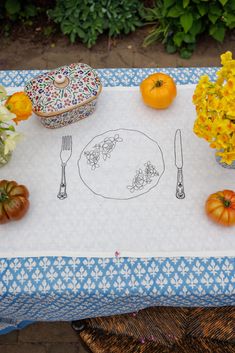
(158, 90)
(220, 207)
(14, 201)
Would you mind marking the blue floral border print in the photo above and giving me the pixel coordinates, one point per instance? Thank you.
(66, 288)
(117, 77)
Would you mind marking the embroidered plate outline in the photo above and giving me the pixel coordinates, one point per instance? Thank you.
(95, 155)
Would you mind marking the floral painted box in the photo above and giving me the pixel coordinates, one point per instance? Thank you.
(64, 95)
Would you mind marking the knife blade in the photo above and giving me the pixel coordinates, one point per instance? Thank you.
(180, 194)
(178, 149)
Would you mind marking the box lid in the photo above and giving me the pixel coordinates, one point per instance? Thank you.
(63, 89)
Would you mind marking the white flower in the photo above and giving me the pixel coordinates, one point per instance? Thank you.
(3, 93)
(10, 142)
(5, 114)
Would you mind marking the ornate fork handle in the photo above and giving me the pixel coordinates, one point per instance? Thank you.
(62, 194)
(65, 154)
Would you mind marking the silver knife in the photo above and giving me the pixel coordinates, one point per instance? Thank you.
(179, 165)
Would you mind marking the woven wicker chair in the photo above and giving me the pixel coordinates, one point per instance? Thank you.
(163, 330)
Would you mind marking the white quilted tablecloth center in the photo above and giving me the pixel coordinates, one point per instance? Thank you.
(121, 182)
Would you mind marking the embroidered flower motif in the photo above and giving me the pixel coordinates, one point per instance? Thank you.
(108, 145)
(103, 148)
(143, 177)
(93, 158)
(150, 172)
(138, 181)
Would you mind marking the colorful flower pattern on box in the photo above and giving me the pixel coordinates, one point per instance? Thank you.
(60, 104)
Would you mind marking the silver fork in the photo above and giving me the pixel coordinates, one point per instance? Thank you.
(65, 154)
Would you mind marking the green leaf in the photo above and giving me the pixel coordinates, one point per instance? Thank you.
(229, 19)
(185, 3)
(217, 32)
(223, 2)
(168, 3)
(72, 37)
(149, 14)
(215, 9)
(80, 32)
(175, 11)
(191, 47)
(11, 128)
(171, 48)
(232, 6)
(202, 8)
(196, 27)
(178, 38)
(30, 10)
(189, 38)
(154, 35)
(185, 53)
(12, 6)
(213, 18)
(186, 21)
(214, 13)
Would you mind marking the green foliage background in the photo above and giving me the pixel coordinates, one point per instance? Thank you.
(87, 19)
(176, 23)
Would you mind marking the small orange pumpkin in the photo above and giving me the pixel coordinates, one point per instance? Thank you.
(220, 207)
(158, 90)
(14, 201)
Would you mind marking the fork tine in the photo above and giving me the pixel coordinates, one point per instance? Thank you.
(66, 142)
(70, 142)
(62, 145)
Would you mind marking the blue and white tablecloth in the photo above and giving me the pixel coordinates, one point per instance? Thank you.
(72, 288)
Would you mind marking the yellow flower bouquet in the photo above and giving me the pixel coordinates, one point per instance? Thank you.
(215, 107)
(13, 109)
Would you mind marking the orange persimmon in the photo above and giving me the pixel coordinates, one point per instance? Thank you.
(158, 90)
(220, 207)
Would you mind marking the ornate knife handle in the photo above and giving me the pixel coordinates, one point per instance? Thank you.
(180, 184)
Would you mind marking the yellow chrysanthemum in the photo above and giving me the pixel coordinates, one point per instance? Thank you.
(226, 57)
(227, 157)
(215, 107)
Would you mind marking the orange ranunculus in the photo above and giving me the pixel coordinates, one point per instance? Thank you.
(19, 104)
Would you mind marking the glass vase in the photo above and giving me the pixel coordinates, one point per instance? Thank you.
(4, 158)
